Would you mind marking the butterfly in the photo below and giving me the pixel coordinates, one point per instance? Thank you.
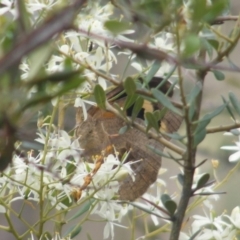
(101, 129)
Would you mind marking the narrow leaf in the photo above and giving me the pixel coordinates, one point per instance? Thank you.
(165, 198)
(100, 96)
(119, 109)
(153, 70)
(137, 107)
(218, 75)
(82, 210)
(213, 114)
(194, 92)
(171, 206)
(234, 102)
(143, 208)
(214, 43)
(160, 114)
(159, 152)
(165, 101)
(198, 137)
(73, 231)
(89, 237)
(116, 27)
(175, 136)
(228, 108)
(130, 86)
(203, 180)
(180, 178)
(191, 44)
(192, 110)
(201, 126)
(152, 122)
(130, 100)
(123, 129)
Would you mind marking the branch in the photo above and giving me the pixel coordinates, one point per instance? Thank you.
(39, 36)
(224, 19)
(223, 128)
(151, 53)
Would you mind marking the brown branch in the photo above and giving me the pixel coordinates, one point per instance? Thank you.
(39, 36)
(223, 128)
(151, 53)
(225, 18)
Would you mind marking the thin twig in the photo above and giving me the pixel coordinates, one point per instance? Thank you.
(225, 128)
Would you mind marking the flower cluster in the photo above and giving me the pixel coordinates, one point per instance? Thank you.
(235, 156)
(221, 227)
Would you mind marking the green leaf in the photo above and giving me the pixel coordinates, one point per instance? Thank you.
(130, 100)
(123, 129)
(198, 9)
(191, 111)
(73, 231)
(89, 237)
(137, 107)
(210, 116)
(194, 92)
(192, 97)
(37, 59)
(153, 70)
(214, 43)
(218, 75)
(24, 17)
(116, 27)
(100, 96)
(200, 131)
(159, 114)
(228, 108)
(165, 198)
(42, 97)
(84, 208)
(119, 109)
(203, 180)
(216, 9)
(175, 136)
(198, 137)
(151, 121)
(206, 45)
(143, 208)
(159, 152)
(180, 178)
(130, 86)
(165, 101)
(234, 102)
(171, 206)
(192, 44)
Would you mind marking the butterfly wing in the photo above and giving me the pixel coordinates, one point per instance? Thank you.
(102, 129)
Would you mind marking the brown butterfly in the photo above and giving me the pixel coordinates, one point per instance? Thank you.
(101, 129)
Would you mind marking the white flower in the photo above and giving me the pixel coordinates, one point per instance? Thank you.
(235, 217)
(7, 6)
(212, 228)
(164, 42)
(109, 211)
(36, 5)
(235, 156)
